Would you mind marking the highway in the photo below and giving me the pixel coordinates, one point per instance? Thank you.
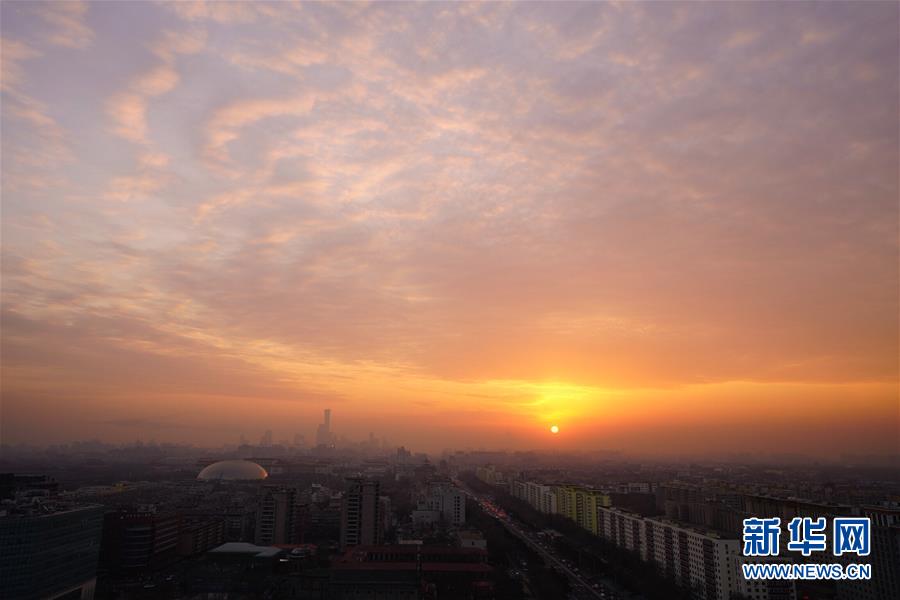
(582, 587)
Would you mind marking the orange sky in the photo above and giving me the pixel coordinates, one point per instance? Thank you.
(667, 228)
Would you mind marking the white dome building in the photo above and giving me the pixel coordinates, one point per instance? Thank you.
(233, 470)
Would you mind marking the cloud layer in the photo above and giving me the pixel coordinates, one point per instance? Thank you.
(452, 221)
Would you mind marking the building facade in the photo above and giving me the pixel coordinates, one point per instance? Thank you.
(277, 516)
(50, 551)
(138, 538)
(361, 523)
(624, 529)
(581, 504)
(443, 502)
(884, 558)
(540, 496)
(702, 561)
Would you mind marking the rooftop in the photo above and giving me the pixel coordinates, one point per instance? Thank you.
(233, 470)
(246, 548)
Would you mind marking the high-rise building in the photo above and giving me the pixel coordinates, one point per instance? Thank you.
(325, 519)
(49, 550)
(565, 500)
(764, 589)
(266, 441)
(540, 496)
(701, 561)
(361, 521)
(198, 534)
(443, 502)
(884, 557)
(239, 522)
(452, 503)
(698, 561)
(624, 529)
(490, 475)
(324, 435)
(404, 456)
(385, 511)
(139, 538)
(580, 504)
(454, 506)
(277, 519)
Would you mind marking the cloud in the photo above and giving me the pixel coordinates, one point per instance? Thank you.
(506, 209)
(225, 124)
(136, 187)
(220, 12)
(47, 143)
(67, 22)
(14, 53)
(128, 109)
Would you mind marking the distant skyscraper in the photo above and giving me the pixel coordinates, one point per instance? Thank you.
(266, 441)
(361, 520)
(404, 456)
(324, 436)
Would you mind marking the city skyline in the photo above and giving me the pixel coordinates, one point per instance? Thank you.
(664, 228)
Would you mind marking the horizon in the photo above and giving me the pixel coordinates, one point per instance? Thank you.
(667, 229)
(350, 447)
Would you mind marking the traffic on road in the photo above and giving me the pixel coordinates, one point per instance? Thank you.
(583, 586)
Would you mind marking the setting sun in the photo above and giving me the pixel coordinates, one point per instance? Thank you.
(554, 429)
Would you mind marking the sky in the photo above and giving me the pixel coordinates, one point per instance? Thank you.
(667, 228)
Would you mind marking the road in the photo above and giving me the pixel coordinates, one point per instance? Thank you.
(583, 588)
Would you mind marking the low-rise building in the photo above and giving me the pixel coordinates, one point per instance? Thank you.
(471, 539)
(399, 571)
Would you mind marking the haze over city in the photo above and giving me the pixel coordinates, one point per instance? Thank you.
(664, 228)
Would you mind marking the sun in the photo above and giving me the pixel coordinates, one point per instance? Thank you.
(554, 429)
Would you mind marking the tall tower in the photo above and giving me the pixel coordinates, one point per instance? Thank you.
(324, 437)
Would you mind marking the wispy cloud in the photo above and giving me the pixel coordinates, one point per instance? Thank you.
(128, 108)
(66, 21)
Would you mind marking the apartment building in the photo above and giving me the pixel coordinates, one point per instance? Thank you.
(702, 561)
